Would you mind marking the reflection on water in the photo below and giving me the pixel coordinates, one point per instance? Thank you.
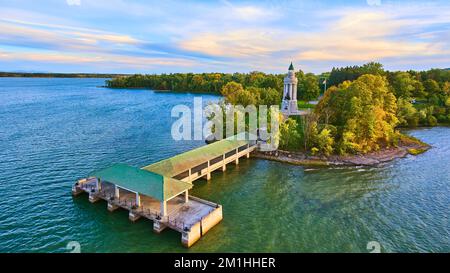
(54, 131)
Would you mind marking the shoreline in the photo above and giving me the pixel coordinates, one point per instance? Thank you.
(369, 159)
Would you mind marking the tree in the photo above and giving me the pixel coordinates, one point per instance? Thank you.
(269, 96)
(364, 113)
(325, 142)
(419, 90)
(289, 135)
(231, 92)
(351, 73)
(432, 87)
(404, 85)
(308, 87)
(406, 113)
(446, 88)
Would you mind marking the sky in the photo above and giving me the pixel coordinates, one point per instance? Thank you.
(125, 36)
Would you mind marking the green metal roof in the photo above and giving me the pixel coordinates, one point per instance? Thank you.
(182, 162)
(142, 181)
(291, 67)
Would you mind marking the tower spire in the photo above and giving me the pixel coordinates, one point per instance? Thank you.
(291, 67)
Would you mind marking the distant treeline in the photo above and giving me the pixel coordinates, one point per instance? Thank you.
(214, 82)
(351, 73)
(58, 75)
(190, 82)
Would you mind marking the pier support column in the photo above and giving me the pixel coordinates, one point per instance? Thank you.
(158, 227)
(236, 161)
(112, 207)
(138, 200)
(76, 190)
(116, 192)
(98, 184)
(164, 208)
(208, 173)
(191, 235)
(186, 196)
(133, 216)
(93, 197)
(248, 155)
(224, 166)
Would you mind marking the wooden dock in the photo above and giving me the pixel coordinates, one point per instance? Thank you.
(159, 192)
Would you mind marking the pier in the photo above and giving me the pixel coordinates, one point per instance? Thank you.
(160, 191)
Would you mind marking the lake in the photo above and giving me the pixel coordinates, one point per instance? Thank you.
(54, 131)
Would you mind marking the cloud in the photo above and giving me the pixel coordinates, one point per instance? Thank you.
(351, 36)
(247, 12)
(73, 2)
(228, 35)
(18, 30)
(237, 44)
(94, 59)
(374, 2)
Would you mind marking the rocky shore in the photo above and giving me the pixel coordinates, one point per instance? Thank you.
(370, 159)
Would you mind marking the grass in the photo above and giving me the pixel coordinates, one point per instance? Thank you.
(419, 147)
(413, 151)
(305, 105)
(407, 139)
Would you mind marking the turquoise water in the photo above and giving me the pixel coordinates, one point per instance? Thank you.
(54, 131)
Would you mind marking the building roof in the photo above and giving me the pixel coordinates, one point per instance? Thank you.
(183, 162)
(142, 181)
(291, 67)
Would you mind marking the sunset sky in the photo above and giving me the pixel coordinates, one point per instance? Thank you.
(124, 36)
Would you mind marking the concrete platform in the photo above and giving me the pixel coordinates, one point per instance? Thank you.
(192, 219)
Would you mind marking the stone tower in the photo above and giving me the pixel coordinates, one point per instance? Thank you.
(289, 105)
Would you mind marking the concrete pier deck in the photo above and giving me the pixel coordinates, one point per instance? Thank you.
(159, 191)
(192, 218)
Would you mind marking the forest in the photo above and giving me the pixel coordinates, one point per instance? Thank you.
(360, 112)
(365, 106)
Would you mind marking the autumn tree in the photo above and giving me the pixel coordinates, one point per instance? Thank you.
(364, 111)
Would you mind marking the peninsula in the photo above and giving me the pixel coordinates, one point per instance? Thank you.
(356, 120)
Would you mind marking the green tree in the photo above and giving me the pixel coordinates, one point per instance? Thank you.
(404, 85)
(431, 87)
(325, 142)
(308, 87)
(289, 135)
(407, 113)
(446, 88)
(269, 96)
(351, 73)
